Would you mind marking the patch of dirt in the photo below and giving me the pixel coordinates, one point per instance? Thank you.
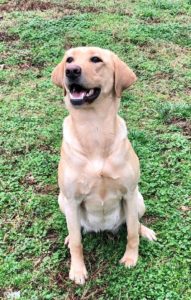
(27, 63)
(182, 123)
(98, 271)
(23, 5)
(188, 91)
(93, 9)
(52, 234)
(66, 8)
(24, 66)
(38, 261)
(3, 151)
(163, 75)
(147, 220)
(47, 148)
(142, 45)
(152, 20)
(5, 37)
(51, 189)
(48, 189)
(29, 180)
(62, 279)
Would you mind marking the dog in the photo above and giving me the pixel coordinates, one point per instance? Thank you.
(98, 172)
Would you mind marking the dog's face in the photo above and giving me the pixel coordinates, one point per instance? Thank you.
(91, 73)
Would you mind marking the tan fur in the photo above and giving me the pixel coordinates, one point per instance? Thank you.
(99, 171)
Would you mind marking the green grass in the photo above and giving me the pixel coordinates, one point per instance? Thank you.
(153, 38)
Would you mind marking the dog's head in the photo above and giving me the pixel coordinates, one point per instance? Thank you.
(90, 73)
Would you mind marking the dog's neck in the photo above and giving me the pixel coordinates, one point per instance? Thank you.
(96, 128)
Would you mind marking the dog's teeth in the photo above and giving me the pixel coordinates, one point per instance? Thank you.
(77, 95)
(90, 92)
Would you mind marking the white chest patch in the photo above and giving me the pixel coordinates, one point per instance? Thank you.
(102, 217)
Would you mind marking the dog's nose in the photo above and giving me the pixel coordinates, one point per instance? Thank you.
(73, 71)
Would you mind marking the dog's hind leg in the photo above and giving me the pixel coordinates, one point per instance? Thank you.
(144, 231)
(147, 233)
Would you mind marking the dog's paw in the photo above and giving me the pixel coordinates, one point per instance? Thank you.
(78, 274)
(147, 233)
(129, 259)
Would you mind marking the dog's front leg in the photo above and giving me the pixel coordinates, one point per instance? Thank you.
(131, 213)
(78, 271)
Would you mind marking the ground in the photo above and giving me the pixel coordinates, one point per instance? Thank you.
(153, 38)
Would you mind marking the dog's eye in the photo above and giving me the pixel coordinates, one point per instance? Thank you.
(69, 59)
(96, 59)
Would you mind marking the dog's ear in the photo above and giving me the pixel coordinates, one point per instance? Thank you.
(123, 76)
(58, 75)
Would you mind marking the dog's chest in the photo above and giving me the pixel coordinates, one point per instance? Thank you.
(102, 183)
(103, 190)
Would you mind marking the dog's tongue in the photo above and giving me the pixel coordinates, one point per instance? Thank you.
(77, 95)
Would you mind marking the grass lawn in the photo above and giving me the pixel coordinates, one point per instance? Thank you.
(153, 38)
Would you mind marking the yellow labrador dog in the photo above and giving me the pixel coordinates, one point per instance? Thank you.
(98, 170)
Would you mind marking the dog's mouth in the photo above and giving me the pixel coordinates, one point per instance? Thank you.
(80, 95)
